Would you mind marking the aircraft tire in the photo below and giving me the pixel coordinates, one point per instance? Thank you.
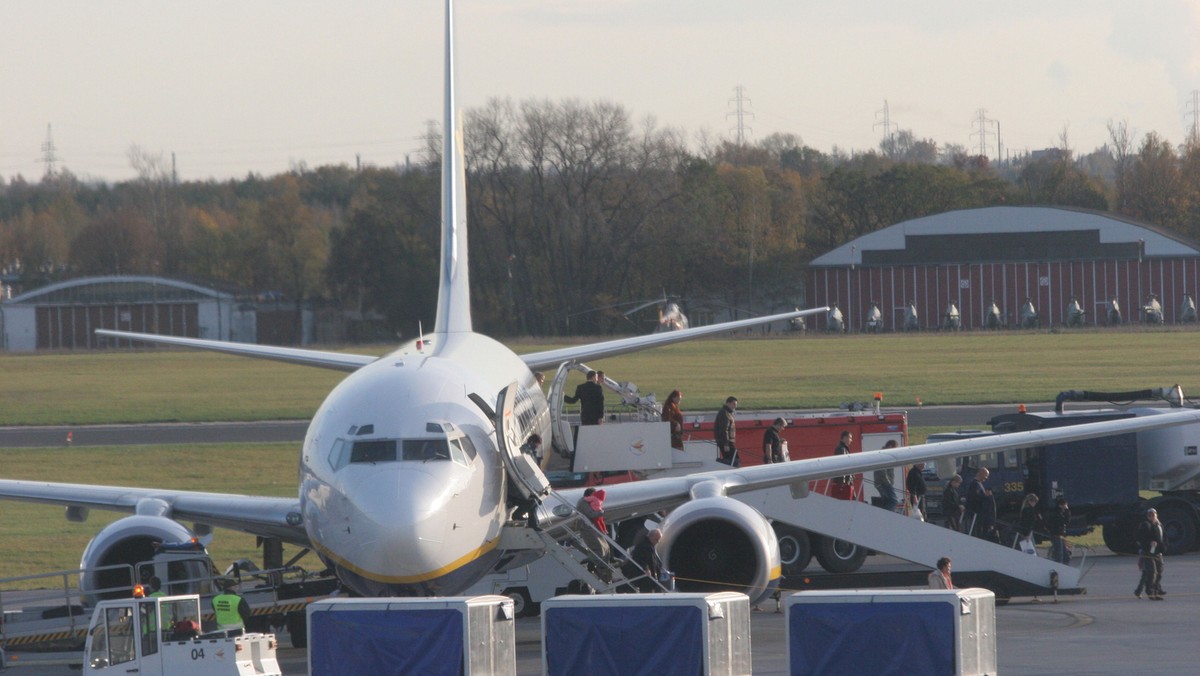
(839, 556)
(297, 627)
(795, 549)
(1179, 529)
(1119, 538)
(1002, 595)
(523, 605)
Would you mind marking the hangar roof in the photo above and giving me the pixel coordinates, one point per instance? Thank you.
(997, 234)
(118, 289)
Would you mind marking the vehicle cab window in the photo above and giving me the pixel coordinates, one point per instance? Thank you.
(112, 639)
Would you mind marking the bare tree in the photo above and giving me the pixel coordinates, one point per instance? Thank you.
(1122, 144)
(157, 201)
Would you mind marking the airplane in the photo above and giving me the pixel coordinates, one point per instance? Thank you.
(406, 466)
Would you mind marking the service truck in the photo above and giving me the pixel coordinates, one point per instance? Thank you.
(55, 616)
(1108, 482)
(165, 636)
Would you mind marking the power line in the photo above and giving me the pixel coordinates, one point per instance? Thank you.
(740, 112)
(49, 157)
(886, 123)
(1193, 110)
(981, 130)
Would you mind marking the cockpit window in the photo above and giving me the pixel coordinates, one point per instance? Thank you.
(376, 450)
(456, 452)
(426, 449)
(468, 447)
(338, 457)
(371, 451)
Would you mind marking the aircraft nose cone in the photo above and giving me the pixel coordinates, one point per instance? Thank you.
(403, 525)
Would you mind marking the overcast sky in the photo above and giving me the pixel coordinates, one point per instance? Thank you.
(238, 86)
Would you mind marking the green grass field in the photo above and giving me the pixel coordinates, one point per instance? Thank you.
(777, 372)
(39, 539)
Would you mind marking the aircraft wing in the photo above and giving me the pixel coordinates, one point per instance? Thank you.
(645, 497)
(612, 348)
(330, 360)
(265, 516)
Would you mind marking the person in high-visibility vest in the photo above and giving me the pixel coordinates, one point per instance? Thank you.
(231, 610)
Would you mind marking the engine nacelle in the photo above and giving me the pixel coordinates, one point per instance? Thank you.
(133, 540)
(720, 544)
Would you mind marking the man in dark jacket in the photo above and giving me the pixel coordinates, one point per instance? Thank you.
(915, 483)
(773, 442)
(980, 514)
(725, 432)
(843, 448)
(1150, 552)
(885, 482)
(590, 397)
(1056, 522)
(647, 562)
(951, 506)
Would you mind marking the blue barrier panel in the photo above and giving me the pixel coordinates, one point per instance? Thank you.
(872, 638)
(625, 640)
(387, 641)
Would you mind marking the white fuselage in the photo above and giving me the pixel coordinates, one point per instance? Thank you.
(401, 483)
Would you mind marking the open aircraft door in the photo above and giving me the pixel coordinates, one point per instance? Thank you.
(564, 440)
(522, 468)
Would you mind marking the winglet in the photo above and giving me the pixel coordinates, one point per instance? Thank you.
(454, 289)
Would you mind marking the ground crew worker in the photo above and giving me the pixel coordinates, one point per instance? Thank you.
(231, 611)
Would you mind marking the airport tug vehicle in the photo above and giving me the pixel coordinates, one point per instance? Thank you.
(162, 635)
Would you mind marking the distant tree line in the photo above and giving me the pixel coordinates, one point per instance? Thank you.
(574, 209)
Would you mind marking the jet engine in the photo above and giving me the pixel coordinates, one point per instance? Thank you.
(128, 542)
(720, 544)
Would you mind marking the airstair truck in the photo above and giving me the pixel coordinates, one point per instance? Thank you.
(162, 636)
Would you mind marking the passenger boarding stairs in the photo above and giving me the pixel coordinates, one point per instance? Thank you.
(575, 543)
(638, 407)
(903, 537)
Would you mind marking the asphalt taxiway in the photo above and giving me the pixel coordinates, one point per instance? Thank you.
(1106, 631)
(975, 417)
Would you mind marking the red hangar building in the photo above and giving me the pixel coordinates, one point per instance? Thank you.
(1005, 255)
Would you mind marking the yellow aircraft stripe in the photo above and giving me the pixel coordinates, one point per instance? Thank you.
(412, 579)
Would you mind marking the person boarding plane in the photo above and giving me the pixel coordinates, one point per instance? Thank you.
(406, 465)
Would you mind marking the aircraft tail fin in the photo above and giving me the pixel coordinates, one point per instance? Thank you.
(454, 289)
